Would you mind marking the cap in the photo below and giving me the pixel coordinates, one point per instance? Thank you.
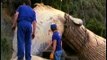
(53, 26)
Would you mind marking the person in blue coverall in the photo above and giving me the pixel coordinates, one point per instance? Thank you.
(24, 18)
(56, 43)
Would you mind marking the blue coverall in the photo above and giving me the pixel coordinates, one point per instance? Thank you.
(25, 18)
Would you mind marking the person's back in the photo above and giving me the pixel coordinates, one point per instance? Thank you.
(26, 13)
(57, 36)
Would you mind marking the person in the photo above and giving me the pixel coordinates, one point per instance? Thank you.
(56, 44)
(25, 20)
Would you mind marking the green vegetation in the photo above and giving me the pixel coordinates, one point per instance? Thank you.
(5, 49)
(6, 37)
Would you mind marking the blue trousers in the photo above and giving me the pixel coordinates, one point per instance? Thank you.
(58, 55)
(24, 40)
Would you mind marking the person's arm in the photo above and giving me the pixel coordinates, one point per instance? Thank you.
(54, 46)
(34, 24)
(15, 20)
(34, 28)
(49, 44)
(53, 51)
(61, 43)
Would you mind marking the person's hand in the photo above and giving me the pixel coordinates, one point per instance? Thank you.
(52, 56)
(33, 35)
(13, 28)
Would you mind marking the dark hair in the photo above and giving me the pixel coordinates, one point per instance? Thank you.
(53, 27)
(27, 2)
(17, 3)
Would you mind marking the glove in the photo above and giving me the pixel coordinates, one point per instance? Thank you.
(51, 56)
